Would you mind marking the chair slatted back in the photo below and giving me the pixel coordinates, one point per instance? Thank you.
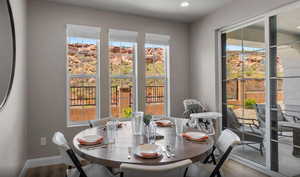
(228, 138)
(174, 169)
(225, 143)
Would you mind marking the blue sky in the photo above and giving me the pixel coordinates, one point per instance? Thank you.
(239, 48)
(73, 40)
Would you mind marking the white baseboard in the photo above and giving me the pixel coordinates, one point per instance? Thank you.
(44, 161)
(24, 170)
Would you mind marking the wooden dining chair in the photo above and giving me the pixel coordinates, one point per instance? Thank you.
(212, 165)
(176, 169)
(99, 122)
(90, 170)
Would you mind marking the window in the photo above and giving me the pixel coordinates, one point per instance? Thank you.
(156, 73)
(122, 58)
(83, 45)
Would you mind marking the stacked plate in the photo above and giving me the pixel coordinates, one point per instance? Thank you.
(195, 136)
(89, 140)
(148, 151)
(163, 123)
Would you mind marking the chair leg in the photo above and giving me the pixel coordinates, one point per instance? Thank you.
(68, 170)
(121, 174)
(185, 172)
(261, 147)
(217, 173)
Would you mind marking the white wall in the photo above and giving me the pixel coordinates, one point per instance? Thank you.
(203, 65)
(13, 127)
(47, 61)
(289, 58)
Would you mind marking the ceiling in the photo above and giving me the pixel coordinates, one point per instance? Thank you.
(289, 21)
(164, 9)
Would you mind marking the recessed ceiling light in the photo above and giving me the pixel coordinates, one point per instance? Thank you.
(298, 27)
(184, 4)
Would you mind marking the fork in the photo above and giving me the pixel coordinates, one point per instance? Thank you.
(166, 152)
(129, 153)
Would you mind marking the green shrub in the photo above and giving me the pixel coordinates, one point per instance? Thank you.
(127, 112)
(249, 103)
(230, 106)
(147, 119)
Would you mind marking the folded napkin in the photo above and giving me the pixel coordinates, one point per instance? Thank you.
(149, 155)
(163, 124)
(88, 143)
(204, 138)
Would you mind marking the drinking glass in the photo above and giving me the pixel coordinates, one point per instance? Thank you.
(111, 131)
(179, 126)
(151, 133)
(137, 123)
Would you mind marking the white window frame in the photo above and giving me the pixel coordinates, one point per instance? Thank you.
(69, 76)
(131, 76)
(164, 77)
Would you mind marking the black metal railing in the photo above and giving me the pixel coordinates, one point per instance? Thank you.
(154, 94)
(114, 95)
(83, 95)
(86, 95)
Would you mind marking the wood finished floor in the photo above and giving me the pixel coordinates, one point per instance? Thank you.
(230, 169)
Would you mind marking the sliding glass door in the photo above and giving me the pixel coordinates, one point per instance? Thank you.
(244, 88)
(285, 92)
(261, 90)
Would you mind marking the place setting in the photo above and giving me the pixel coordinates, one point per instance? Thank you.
(190, 134)
(91, 142)
(147, 126)
(148, 151)
(97, 139)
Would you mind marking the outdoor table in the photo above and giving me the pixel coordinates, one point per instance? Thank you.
(114, 154)
(296, 136)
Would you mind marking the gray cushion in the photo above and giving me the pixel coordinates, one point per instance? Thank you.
(232, 119)
(192, 108)
(249, 130)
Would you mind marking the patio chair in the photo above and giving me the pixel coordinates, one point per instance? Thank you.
(90, 170)
(249, 132)
(225, 143)
(178, 169)
(281, 117)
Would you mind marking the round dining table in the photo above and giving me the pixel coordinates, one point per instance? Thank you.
(113, 155)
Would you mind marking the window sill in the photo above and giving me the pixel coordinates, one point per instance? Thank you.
(80, 124)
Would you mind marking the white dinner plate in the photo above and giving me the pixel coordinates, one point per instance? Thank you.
(196, 135)
(90, 139)
(148, 149)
